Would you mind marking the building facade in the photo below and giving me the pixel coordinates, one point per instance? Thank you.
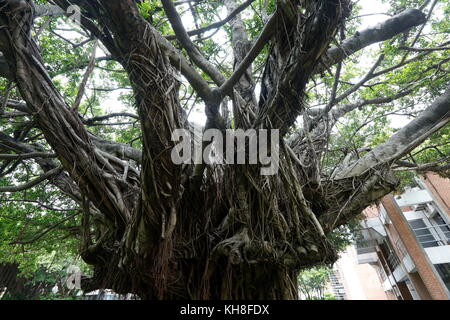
(406, 239)
(356, 281)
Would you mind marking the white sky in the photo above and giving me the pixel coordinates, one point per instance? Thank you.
(368, 7)
(371, 7)
(374, 8)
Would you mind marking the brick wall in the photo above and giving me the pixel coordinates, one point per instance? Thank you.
(414, 249)
(371, 212)
(440, 189)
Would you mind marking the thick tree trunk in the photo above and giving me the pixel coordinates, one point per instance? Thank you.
(248, 243)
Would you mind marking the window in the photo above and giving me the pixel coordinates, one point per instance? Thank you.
(412, 290)
(443, 227)
(423, 233)
(389, 255)
(444, 271)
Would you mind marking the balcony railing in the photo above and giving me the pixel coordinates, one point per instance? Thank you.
(383, 274)
(366, 246)
(393, 261)
(401, 248)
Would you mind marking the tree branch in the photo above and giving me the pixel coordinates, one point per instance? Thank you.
(266, 33)
(418, 130)
(186, 42)
(397, 24)
(61, 181)
(32, 183)
(217, 24)
(25, 156)
(47, 230)
(86, 76)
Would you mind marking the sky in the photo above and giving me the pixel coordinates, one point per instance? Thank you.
(374, 10)
(372, 7)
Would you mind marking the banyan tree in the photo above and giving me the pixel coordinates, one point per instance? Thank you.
(162, 230)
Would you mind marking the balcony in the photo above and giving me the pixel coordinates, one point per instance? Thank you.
(436, 242)
(434, 236)
(366, 246)
(393, 261)
(413, 197)
(366, 251)
(375, 227)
